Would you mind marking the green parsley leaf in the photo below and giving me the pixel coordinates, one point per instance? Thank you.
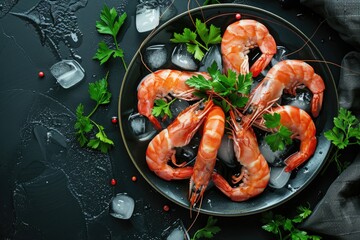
(288, 226)
(272, 223)
(230, 80)
(99, 91)
(103, 53)
(223, 104)
(229, 88)
(195, 50)
(162, 108)
(279, 139)
(82, 122)
(101, 142)
(299, 235)
(199, 82)
(304, 212)
(187, 36)
(208, 36)
(346, 132)
(110, 24)
(272, 121)
(285, 228)
(244, 83)
(84, 125)
(208, 231)
(213, 70)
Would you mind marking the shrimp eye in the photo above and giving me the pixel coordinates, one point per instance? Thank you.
(202, 106)
(249, 111)
(238, 119)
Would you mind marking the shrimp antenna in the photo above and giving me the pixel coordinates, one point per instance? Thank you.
(197, 214)
(306, 41)
(191, 18)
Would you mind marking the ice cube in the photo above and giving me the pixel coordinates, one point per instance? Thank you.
(156, 56)
(122, 206)
(167, 9)
(188, 153)
(178, 106)
(182, 58)
(176, 231)
(142, 129)
(276, 158)
(279, 56)
(147, 15)
(213, 55)
(226, 151)
(175, 108)
(278, 177)
(67, 73)
(302, 99)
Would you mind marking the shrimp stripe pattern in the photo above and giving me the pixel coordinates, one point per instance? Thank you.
(255, 169)
(161, 148)
(285, 75)
(160, 84)
(213, 131)
(241, 36)
(300, 123)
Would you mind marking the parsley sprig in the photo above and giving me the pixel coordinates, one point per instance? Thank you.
(285, 228)
(85, 125)
(229, 90)
(208, 36)
(279, 139)
(208, 231)
(226, 91)
(346, 132)
(162, 108)
(110, 24)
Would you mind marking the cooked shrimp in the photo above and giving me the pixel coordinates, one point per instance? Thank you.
(159, 85)
(287, 74)
(255, 172)
(206, 157)
(178, 134)
(241, 36)
(300, 123)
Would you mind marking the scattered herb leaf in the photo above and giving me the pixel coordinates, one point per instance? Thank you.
(104, 53)
(84, 125)
(227, 91)
(279, 139)
(346, 132)
(285, 228)
(208, 36)
(208, 231)
(162, 108)
(110, 24)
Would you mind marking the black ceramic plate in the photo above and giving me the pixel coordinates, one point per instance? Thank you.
(214, 202)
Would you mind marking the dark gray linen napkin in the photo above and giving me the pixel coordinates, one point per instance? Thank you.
(349, 83)
(338, 213)
(341, 15)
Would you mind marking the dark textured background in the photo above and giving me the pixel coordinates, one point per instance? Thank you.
(25, 51)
